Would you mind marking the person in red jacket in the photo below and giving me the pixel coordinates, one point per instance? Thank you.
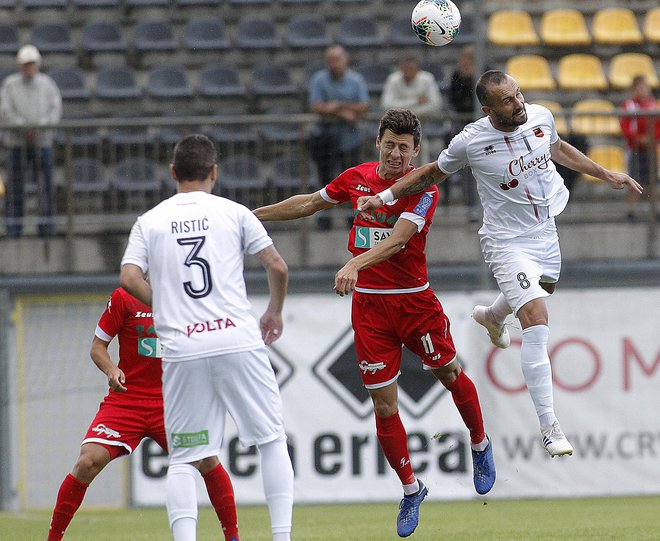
(131, 411)
(642, 138)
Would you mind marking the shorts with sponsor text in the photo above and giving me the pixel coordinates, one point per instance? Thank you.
(383, 323)
(125, 425)
(520, 264)
(198, 394)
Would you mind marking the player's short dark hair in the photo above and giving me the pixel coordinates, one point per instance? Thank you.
(401, 121)
(194, 157)
(488, 79)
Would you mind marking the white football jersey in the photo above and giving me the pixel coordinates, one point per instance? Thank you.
(192, 245)
(518, 183)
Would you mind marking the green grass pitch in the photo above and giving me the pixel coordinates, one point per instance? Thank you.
(594, 519)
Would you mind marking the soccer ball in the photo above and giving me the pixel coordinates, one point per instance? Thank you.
(436, 22)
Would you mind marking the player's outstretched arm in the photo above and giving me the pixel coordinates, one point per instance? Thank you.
(297, 206)
(101, 357)
(414, 182)
(567, 155)
(131, 278)
(278, 275)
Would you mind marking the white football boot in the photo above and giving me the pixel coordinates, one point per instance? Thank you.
(554, 440)
(499, 334)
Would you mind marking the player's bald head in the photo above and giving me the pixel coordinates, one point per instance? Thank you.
(194, 158)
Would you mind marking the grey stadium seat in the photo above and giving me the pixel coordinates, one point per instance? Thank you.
(257, 32)
(52, 37)
(71, 82)
(306, 31)
(374, 74)
(103, 36)
(117, 83)
(272, 80)
(359, 31)
(153, 36)
(205, 34)
(219, 80)
(9, 38)
(168, 82)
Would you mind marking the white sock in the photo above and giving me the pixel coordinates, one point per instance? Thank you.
(499, 309)
(181, 500)
(537, 371)
(277, 475)
(412, 488)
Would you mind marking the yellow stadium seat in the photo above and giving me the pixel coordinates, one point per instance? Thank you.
(512, 28)
(606, 125)
(531, 72)
(609, 156)
(564, 27)
(581, 72)
(561, 123)
(625, 67)
(652, 25)
(616, 26)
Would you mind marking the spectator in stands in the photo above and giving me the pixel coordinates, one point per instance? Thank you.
(410, 87)
(641, 138)
(340, 96)
(28, 99)
(461, 102)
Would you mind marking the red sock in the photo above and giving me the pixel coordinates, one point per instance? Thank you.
(394, 441)
(69, 498)
(221, 494)
(465, 397)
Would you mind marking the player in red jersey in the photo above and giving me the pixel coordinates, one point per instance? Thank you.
(131, 411)
(393, 304)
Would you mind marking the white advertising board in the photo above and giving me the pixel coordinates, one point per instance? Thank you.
(605, 351)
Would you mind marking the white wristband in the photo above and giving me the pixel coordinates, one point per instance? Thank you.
(386, 196)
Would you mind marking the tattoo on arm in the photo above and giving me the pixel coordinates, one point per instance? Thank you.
(418, 186)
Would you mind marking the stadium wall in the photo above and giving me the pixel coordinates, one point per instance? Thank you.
(605, 353)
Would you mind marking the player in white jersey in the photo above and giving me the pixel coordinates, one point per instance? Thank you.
(511, 152)
(192, 245)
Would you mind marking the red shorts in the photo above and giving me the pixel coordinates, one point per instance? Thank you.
(384, 323)
(125, 425)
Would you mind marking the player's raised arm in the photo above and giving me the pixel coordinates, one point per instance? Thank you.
(414, 182)
(567, 155)
(296, 206)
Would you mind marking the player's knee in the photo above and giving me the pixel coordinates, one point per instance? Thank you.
(87, 467)
(385, 409)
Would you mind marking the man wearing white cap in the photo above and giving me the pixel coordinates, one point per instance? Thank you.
(29, 99)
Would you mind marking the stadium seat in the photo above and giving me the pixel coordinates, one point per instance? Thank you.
(257, 32)
(94, 4)
(291, 168)
(9, 38)
(652, 25)
(272, 80)
(88, 175)
(8, 4)
(511, 28)
(609, 156)
(123, 137)
(103, 37)
(196, 3)
(205, 34)
(45, 4)
(564, 28)
(219, 80)
(358, 31)
(71, 82)
(624, 67)
(581, 72)
(137, 175)
(167, 82)
(401, 34)
(117, 83)
(241, 178)
(146, 3)
(153, 36)
(531, 72)
(561, 122)
(616, 26)
(52, 37)
(375, 74)
(88, 137)
(301, 3)
(605, 125)
(307, 31)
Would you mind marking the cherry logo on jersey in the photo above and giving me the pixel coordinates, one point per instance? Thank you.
(513, 183)
(538, 132)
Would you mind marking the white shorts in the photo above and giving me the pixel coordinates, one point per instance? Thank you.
(521, 263)
(198, 393)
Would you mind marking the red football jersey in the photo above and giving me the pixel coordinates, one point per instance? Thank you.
(406, 269)
(139, 348)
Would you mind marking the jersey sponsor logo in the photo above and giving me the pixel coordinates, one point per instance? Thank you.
(103, 430)
(150, 347)
(366, 366)
(191, 439)
(368, 237)
(490, 149)
(209, 326)
(424, 204)
(143, 314)
(519, 166)
(361, 188)
(538, 131)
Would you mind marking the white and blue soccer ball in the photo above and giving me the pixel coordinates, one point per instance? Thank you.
(436, 22)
